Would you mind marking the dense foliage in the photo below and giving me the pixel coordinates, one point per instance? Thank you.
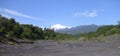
(12, 32)
(101, 32)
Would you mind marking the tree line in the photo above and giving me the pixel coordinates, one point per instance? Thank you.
(13, 32)
(102, 32)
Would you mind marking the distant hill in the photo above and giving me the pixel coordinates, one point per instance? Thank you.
(79, 29)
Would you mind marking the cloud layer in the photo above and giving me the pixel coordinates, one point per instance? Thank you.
(86, 13)
(5, 15)
(16, 13)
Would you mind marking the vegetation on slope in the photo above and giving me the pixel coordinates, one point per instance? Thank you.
(12, 32)
(102, 32)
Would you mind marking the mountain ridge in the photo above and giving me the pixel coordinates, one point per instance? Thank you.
(79, 29)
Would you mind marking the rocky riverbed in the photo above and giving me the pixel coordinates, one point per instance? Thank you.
(53, 48)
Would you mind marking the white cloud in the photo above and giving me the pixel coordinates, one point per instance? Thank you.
(16, 13)
(5, 15)
(86, 13)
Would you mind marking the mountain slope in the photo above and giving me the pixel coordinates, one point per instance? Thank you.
(79, 29)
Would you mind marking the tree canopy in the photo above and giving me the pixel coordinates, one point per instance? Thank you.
(12, 31)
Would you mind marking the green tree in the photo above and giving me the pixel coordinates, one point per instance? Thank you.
(11, 34)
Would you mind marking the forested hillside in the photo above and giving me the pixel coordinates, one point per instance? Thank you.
(12, 32)
(103, 32)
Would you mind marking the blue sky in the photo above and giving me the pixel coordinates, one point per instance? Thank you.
(45, 13)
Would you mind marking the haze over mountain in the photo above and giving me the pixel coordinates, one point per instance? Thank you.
(79, 29)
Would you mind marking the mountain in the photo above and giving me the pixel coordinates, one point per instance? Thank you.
(58, 27)
(79, 29)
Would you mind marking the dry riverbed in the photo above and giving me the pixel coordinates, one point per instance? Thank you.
(53, 48)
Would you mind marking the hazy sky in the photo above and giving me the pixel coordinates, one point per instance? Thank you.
(71, 13)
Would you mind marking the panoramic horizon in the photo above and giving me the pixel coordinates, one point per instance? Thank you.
(46, 13)
(60, 28)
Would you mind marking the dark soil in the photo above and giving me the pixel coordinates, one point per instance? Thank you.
(52, 48)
